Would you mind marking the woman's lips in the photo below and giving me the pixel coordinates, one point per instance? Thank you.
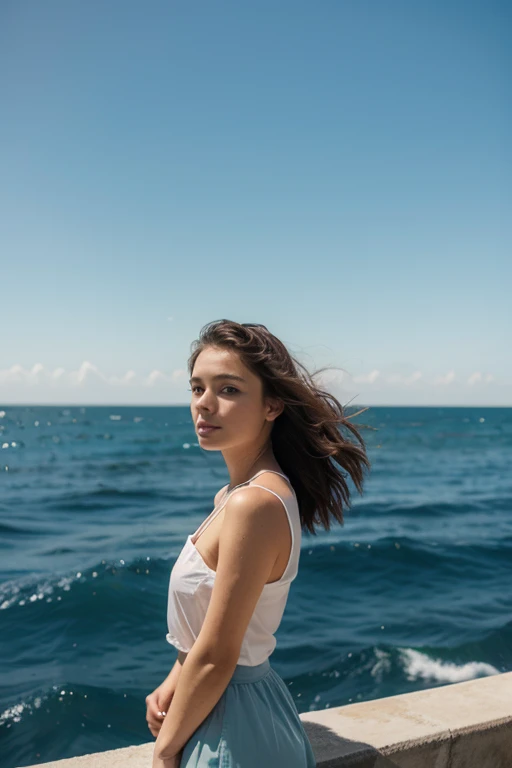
(203, 430)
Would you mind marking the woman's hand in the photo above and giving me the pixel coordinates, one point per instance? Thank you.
(157, 706)
(158, 702)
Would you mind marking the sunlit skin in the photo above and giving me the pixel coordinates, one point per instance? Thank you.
(166, 762)
(250, 539)
(238, 408)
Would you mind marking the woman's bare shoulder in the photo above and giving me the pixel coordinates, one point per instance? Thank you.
(220, 494)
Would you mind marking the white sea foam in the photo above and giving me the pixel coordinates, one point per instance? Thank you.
(418, 665)
(382, 666)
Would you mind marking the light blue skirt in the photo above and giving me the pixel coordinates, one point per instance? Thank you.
(255, 723)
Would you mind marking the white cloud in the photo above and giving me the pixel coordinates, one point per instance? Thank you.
(416, 376)
(14, 373)
(128, 378)
(89, 383)
(85, 372)
(367, 378)
(478, 377)
(330, 377)
(407, 381)
(35, 370)
(85, 375)
(154, 377)
(449, 378)
(88, 371)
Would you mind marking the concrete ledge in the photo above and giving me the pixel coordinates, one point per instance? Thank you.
(463, 725)
(453, 726)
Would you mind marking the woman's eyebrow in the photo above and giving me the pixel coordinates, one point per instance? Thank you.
(231, 376)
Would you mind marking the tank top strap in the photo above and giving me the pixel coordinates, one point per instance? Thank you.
(281, 474)
(293, 531)
(206, 522)
(211, 517)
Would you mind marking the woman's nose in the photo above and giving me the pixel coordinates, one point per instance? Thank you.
(205, 401)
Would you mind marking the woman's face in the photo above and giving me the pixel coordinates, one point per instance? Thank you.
(226, 394)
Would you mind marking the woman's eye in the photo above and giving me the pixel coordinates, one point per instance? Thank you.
(193, 389)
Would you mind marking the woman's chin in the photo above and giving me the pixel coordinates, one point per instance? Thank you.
(206, 442)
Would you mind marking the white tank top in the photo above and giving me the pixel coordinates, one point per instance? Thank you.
(191, 584)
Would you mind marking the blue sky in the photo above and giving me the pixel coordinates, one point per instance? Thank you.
(339, 171)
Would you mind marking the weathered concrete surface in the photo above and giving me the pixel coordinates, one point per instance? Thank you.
(463, 725)
(128, 757)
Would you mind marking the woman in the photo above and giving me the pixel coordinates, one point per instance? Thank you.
(223, 704)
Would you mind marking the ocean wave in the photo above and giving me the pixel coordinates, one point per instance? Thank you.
(29, 589)
(419, 666)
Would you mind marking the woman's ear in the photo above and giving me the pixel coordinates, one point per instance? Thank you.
(275, 407)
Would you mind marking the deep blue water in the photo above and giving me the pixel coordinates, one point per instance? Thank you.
(413, 591)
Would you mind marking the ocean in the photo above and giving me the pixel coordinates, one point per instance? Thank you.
(412, 592)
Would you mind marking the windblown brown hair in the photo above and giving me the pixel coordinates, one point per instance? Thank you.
(306, 437)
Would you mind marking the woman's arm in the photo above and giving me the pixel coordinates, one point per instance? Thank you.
(171, 681)
(157, 702)
(201, 683)
(247, 554)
